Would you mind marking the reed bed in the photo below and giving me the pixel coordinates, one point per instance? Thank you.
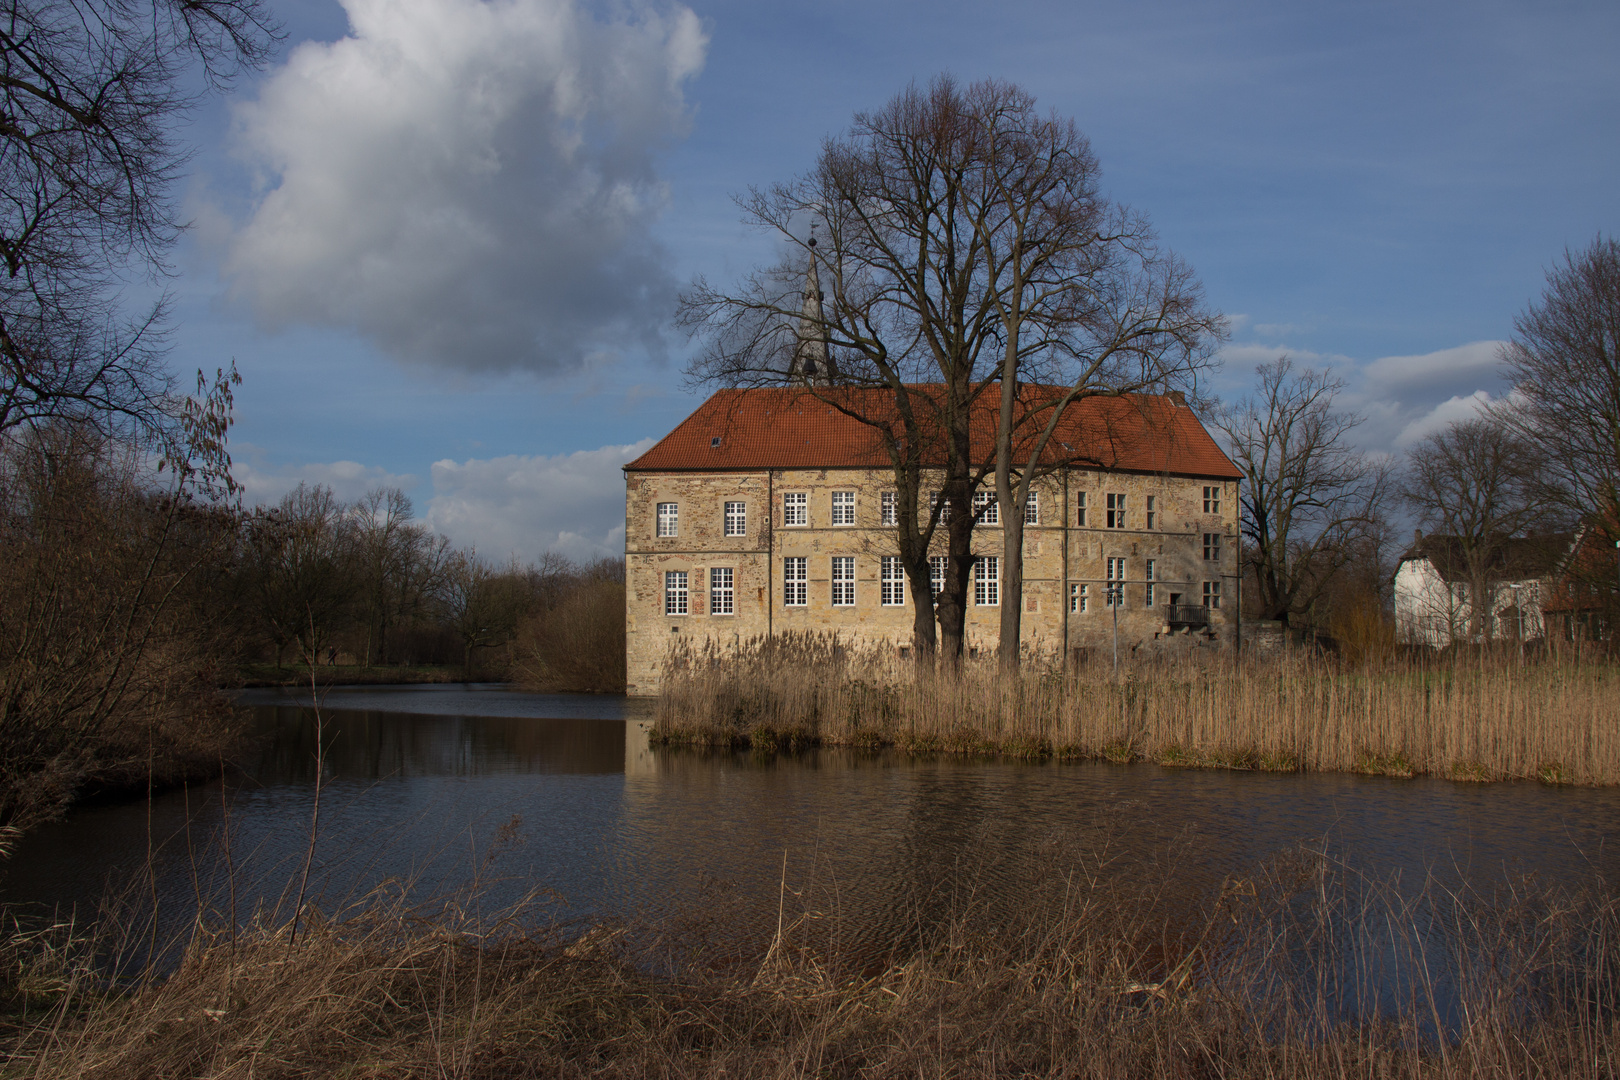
(1304, 970)
(1555, 718)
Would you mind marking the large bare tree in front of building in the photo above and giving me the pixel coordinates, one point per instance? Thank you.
(1312, 502)
(959, 242)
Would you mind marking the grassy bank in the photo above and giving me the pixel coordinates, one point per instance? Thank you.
(1291, 973)
(1556, 718)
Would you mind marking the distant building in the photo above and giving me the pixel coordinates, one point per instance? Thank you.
(768, 510)
(1434, 601)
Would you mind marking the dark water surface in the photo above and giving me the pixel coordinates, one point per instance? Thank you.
(419, 781)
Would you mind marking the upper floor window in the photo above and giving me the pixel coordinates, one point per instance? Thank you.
(674, 592)
(1212, 595)
(987, 581)
(893, 582)
(1212, 547)
(1116, 511)
(722, 591)
(938, 499)
(668, 519)
(736, 519)
(889, 508)
(1212, 500)
(1080, 509)
(936, 574)
(843, 508)
(1152, 510)
(843, 581)
(986, 510)
(1032, 509)
(795, 582)
(795, 508)
(1116, 582)
(1148, 576)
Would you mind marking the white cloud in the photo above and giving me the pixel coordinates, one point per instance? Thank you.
(1446, 413)
(348, 480)
(469, 182)
(1458, 370)
(519, 505)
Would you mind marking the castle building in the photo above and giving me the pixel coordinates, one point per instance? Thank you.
(768, 510)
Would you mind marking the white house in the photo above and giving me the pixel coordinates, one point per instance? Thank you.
(1433, 601)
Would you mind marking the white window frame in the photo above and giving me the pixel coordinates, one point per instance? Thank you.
(937, 498)
(843, 581)
(1152, 511)
(1116, 581)
(1116, 509)
(1079, 597)
(889, 509)
(936, 574)
(892, 582)
(676, 593)
(1212, 547)
(986, 508)
(843, 508)
(1148, 577)
(795, 581)
(722, 590)
(1080, 509)
(1032, 509)
(795, 509)
(987, 581)
(669, 519)
(735, 516)
(1212, 500)
(1212, 596)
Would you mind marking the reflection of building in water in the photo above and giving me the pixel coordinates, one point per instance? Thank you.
(639, 759)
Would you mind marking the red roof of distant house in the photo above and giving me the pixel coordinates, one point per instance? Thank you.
(798, 428)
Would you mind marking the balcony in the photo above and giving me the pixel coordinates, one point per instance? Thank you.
(1187, 615)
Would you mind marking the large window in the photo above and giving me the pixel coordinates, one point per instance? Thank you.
(668, 519)
(843, 580)
(987, 581)
(795, 508)
(1080, 509)
(722, 594)
(986, 510)
(1116, 511)
(736, 519)
(1212, 595)
(795, 582)
(1212, 500)
(889, 508)
(936, 574)
(937, 498)
(674, 592)
(843, 508)
(1212, 547)
(1116, 582)
(1148, 576)
(1152, 510)
(1032, 509)
(1079, 596)
(893, 582)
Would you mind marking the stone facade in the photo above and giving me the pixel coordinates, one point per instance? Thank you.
(685, 567)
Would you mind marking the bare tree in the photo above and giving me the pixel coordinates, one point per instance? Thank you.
(1478, 484)
(1565, 362)
(1312, 502)
(300, 562)
(91, 95)
(483, 604)
(962, 242)
(400, 564)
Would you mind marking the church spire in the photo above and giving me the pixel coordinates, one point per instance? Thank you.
(811, 362)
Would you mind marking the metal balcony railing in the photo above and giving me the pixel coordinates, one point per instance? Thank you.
(1188, 614)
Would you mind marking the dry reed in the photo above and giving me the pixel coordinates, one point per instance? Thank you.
(1554, 718)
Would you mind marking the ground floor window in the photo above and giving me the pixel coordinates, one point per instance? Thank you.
(1212, 595)
(674, 592)
(795, 582)
(893, 582)
(843, 581)
(987, 581)
(1148, 576)
(1079, 596)
(936, 574)
(722, 594)
(1116, 582)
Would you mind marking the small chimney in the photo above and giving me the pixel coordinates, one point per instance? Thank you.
(1417, 536)
(1177, 398)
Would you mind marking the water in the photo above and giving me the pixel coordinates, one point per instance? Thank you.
(419, 782)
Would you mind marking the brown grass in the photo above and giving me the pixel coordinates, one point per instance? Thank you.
(1554, 718)
(1306, 970)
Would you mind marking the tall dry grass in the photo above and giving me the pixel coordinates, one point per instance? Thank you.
(1476, 717)
(1305, 970)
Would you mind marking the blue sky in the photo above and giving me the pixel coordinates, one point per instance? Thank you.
(441, 238)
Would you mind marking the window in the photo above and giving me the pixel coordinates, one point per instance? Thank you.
(795, 508)
(890, 508)
(843, 581)
(722, 595)
(1116, 511)
(674, 592)
(1079, 597)
(937, 498)
(986, 510)
(1032, 509)
(1212, 595)
(987, 581)
(736, 519)
(843, 506)
(668, 519)
(795, 582)
(1116, 582)
(1148, 576)
(1212, 547)
(893, 582)
(1212, 500)
(936, 574)
(1080, 509)
(1150, 510)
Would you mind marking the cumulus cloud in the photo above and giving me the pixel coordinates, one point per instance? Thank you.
(263, 484)
(468, 183)
(1448, 412)
(520, 505)
(1459, 370)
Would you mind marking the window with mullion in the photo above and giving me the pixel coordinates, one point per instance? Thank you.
(795, 582)
(893, 582)
(722, 591)
(843, 580)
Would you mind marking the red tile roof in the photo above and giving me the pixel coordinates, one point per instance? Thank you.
(799, 428)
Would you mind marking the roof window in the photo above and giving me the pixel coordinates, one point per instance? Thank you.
(714, 442)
